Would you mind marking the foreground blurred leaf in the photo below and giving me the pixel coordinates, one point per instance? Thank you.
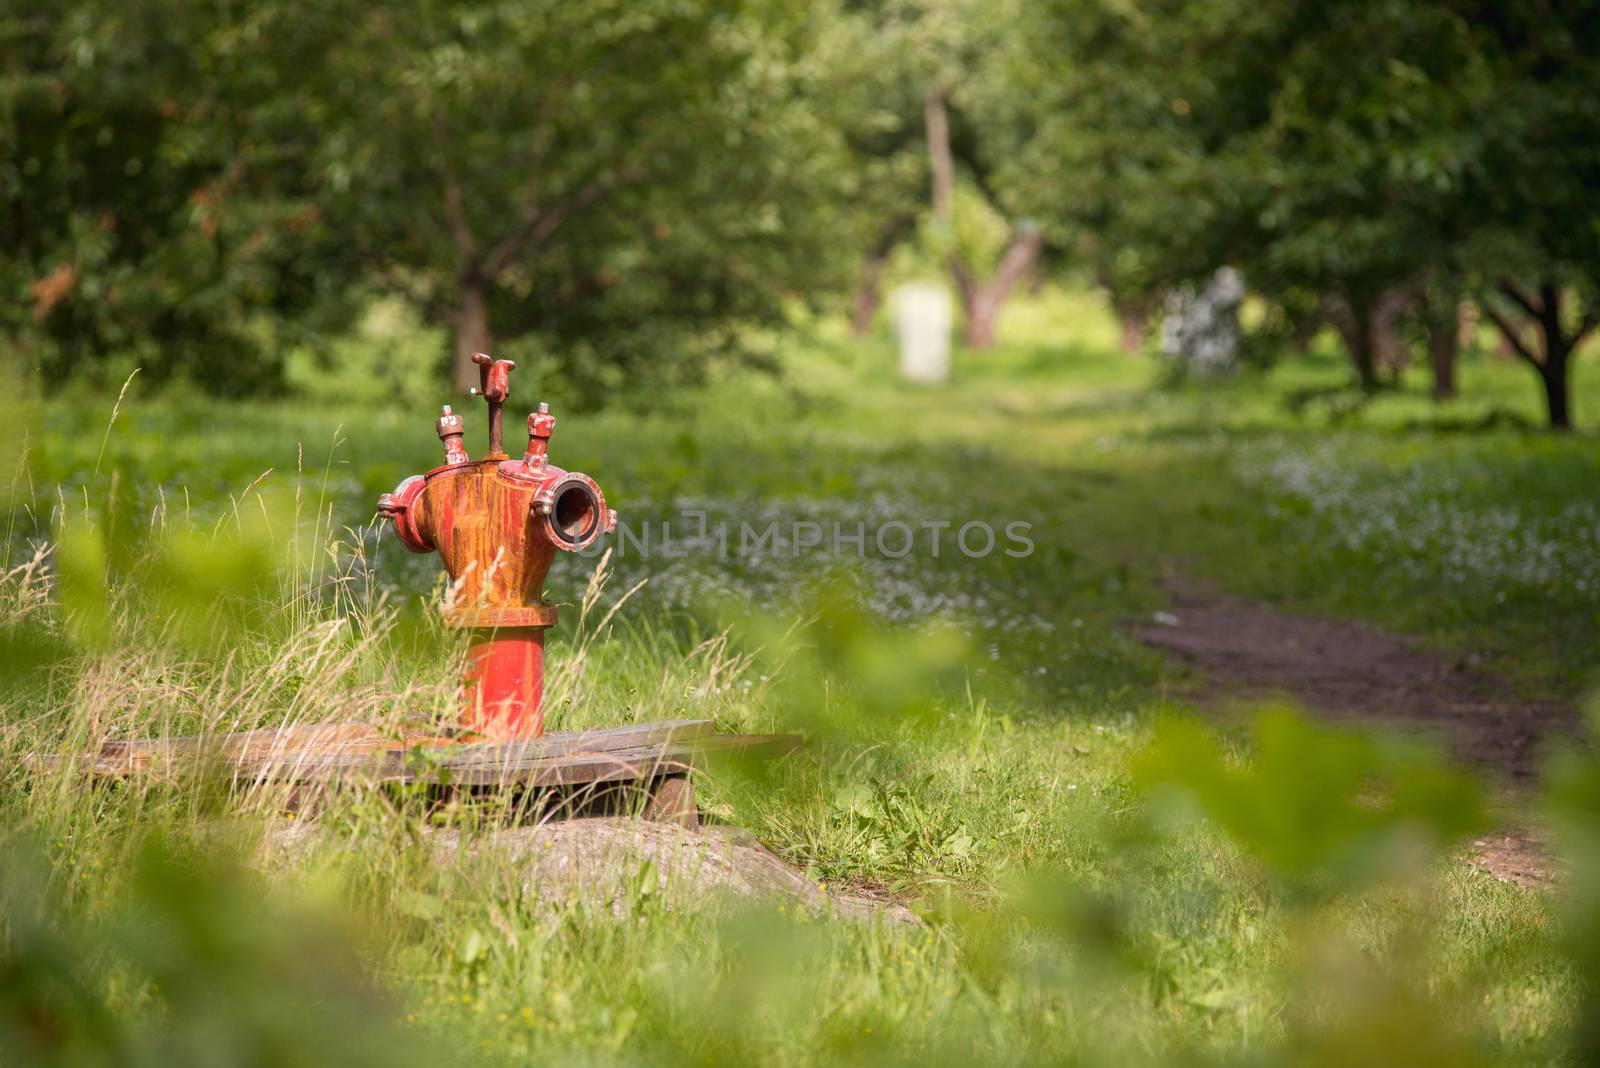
(188, 962)
(1315, 803)
(1574, 804)
(81, 574)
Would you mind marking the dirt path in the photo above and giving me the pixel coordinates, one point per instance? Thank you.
(1245, 650)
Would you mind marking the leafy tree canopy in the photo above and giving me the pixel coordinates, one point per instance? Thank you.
(156, 201)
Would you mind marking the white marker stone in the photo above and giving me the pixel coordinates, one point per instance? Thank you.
(922, 317)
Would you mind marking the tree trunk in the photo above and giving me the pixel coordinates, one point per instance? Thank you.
(1365, 359)
(471, 334)
(1305, 331)
(1352, 318)
(1369, 326)
(941, 165)
(869, 292)
(1389, 351)
(1132, 330)
(1555, 347)
(981, 302)
(1442, 348)
(1554, 376)
(869, 296)
(1444, 342)
(985, 302)
(983, 316)
(1133, 318)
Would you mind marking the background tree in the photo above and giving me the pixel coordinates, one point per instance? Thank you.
(871, 90)
(617, 193)
(952, 37)
(1438, 307)
(1374, 155)
(624, 183)
(183, 184)
(155, 200)
(982, 296)
(1321, 147)
(1080, 134)
(1537, 243)
(910, 66)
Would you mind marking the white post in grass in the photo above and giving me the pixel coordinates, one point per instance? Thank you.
(922, 325)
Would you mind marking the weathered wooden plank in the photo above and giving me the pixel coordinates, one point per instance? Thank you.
(672, 801)
(560, 743)
(695, 745)
(566, 769)
(356, 745)
(139, 755)
(358, 752)
(574, 769)
(563, 769)
(638, 762)
(459, 758)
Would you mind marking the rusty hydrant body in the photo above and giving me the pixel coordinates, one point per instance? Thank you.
(497, 524)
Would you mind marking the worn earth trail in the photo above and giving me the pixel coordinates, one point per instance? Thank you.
(1246, 650)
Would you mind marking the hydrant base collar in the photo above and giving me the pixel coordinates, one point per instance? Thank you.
(488, 618)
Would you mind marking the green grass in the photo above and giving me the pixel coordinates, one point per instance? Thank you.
(970, 722)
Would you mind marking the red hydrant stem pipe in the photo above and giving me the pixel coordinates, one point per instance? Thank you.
(504, 683)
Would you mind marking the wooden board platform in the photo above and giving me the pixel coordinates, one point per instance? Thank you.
(365, 752)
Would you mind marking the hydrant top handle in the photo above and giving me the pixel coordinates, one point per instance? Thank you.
(494, 386)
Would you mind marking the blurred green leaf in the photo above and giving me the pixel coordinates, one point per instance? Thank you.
(1312, 802)
(82, 579)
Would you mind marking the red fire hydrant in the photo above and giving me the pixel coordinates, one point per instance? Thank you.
(497, 523)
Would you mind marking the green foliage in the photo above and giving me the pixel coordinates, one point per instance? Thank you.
(978, 234)
(1574, 803)
(389, 356)
(81, 577)
(616, 196)
(894, 679)
(158, 210)
(184, 960)
(203, 590)
(1317, 805)
(623, 184)
(1306, 144)
(623, 187)
(1341, 154)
